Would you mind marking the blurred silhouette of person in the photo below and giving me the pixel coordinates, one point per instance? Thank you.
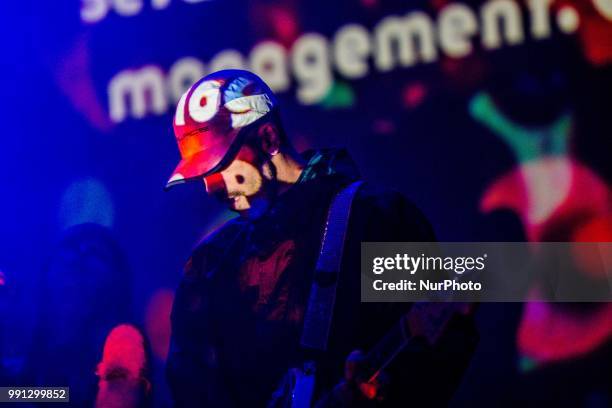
(123, 370)
(84, 293)
(4, 375)
(15, 330)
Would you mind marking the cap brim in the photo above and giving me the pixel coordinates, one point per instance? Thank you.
(200, 164)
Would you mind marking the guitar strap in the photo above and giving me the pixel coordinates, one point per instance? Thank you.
(319, 312)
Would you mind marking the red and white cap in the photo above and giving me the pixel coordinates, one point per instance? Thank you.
(209, 117)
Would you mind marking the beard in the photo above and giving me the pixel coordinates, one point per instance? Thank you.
(264, 199)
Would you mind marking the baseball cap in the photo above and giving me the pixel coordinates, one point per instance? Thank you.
(210, 116)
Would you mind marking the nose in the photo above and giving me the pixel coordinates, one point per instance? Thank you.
(214, 183)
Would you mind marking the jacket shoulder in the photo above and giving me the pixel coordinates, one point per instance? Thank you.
(378, 195)
(390, 216)
(385, 201)
(208, 250)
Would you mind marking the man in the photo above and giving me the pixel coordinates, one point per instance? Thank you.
(239, 311)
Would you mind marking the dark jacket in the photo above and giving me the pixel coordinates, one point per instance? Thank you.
(237, 315)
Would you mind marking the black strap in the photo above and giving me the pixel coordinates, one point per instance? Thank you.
(318, 317)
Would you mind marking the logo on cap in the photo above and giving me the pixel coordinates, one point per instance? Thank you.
(225, 101)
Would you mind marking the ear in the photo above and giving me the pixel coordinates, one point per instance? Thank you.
(269, 136)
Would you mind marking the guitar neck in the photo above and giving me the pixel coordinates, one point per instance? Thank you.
(428, 319)
(385, 351)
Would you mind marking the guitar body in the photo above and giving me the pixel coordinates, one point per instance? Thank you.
(425, 321)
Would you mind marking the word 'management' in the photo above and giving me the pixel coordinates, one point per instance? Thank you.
(354, 51)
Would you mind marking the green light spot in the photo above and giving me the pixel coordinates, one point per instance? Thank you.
(340, 96)
(527, 364)
(527, 143)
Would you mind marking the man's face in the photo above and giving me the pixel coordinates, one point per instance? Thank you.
(247, 185)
